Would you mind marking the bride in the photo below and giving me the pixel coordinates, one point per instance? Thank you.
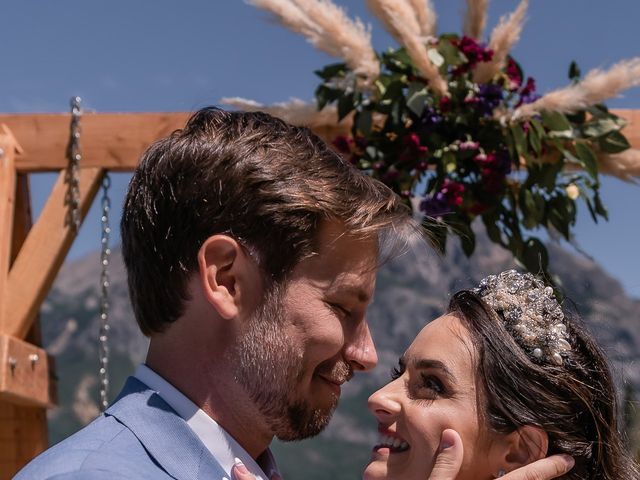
(493, 387)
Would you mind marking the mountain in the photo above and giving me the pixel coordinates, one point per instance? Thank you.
(411, 290)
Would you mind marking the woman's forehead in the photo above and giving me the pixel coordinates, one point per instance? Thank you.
(447, 340)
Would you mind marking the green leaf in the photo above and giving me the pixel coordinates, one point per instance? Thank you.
(600, 208)
(491, 224)
(450, 52)
(331, 71)
(574, 71)
(600, 127)
(535, 256)
(325, 95)
(417, 97)
(537, 126)
(588, 159)
(534, 141)
(529, 208)
(467, 237)
(345, 105)
(363, 121)
(615, 142)
(555, 121)
(520, 140)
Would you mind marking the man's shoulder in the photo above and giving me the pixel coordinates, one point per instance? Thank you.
(103, 449)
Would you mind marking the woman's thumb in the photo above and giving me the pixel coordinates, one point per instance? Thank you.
(449, 458)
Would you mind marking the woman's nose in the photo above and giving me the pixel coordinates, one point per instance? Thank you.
(386, 403)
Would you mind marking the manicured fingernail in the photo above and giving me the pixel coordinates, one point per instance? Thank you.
(569, 460)
(240, 466)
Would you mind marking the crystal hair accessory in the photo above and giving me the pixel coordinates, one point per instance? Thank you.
(532, 314)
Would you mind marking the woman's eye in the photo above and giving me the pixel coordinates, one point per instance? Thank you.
(396, 373)
(433, 384)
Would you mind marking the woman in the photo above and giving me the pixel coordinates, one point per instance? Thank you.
(514, 377)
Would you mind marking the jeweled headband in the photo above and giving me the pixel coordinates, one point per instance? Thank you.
(531, 311)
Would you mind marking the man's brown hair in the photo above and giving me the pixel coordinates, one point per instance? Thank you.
(251, 176)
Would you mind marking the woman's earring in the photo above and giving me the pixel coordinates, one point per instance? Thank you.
(501, 473)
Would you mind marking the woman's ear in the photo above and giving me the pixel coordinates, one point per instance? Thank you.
(224, 268)
(523, 446)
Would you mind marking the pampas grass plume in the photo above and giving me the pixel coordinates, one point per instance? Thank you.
(475, 18)
(426, 16)
(503, 38)
(401, 21)
(624, 165)
(596, 87)
(327, 27)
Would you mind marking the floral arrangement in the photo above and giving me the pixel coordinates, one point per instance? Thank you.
(454, 126)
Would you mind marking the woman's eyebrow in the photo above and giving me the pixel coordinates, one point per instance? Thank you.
(428, 363)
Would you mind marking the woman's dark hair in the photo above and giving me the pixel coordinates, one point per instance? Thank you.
(575, 403)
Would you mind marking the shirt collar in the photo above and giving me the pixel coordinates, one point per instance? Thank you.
(222, 446)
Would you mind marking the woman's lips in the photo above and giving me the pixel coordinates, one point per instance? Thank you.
(390, 442)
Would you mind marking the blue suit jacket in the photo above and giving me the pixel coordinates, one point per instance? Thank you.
(139, 436)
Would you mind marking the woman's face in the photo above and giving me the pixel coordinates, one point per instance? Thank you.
(434, 389)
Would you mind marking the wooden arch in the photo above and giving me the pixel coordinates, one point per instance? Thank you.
(32, 254)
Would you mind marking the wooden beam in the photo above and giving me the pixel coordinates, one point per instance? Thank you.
(8, 149)
(114, 141)
(23, 429)
(24, 373)
(43, 252)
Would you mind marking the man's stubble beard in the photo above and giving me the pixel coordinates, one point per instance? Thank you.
(270, 368)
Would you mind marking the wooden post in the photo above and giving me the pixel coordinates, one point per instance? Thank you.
(23, 429)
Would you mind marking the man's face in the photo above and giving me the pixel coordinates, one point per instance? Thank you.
(308, 338)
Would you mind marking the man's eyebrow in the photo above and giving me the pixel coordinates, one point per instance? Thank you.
(428, 363)
(359, 293)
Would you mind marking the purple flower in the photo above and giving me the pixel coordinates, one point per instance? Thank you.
(488, 98)
(430, 118)
(528, 93)
(435, 206)
(449, 197)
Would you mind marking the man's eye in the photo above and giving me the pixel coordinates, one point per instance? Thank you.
(343, 312)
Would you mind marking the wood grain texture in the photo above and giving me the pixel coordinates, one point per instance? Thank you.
(114, 141)
(43, 252)
(8, 150)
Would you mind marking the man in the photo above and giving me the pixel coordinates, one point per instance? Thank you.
(251, 251)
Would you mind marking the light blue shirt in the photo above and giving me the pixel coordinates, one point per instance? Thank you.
(222, 446)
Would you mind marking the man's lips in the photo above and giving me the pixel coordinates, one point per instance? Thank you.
(334, 384)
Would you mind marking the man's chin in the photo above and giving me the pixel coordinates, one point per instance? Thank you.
(304, 421)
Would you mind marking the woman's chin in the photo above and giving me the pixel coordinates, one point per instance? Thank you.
(376, 470)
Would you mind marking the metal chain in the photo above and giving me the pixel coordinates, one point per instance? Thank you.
(104, 298)
(74, 153)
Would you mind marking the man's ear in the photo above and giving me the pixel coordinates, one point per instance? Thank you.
(525, 445)
(224, 266)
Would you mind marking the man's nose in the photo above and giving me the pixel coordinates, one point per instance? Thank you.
(360, 351)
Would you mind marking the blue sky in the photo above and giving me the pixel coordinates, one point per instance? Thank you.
(160, 55)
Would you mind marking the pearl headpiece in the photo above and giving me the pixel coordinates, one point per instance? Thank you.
(532, 314)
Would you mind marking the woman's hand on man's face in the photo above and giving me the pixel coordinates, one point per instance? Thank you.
(449, 461)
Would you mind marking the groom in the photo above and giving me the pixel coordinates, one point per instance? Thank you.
(251, 251)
